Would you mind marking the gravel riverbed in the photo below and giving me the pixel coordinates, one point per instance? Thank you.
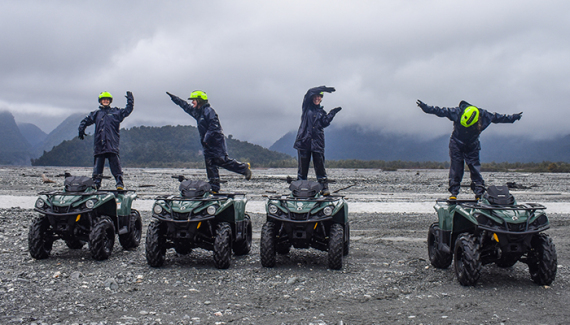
(386, 279)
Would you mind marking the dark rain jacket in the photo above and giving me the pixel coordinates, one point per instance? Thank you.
(468, 136)
(209, 127)
(107, 122)
(311, 134)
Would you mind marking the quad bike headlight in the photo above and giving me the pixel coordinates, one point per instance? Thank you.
(211, 210)
(90, 204)
(273, 209)
(327, 211)
(40, 203)
(157, 209)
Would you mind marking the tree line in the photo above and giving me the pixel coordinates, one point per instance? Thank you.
(179, 147)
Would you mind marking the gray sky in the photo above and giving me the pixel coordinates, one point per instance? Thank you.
(256, 60)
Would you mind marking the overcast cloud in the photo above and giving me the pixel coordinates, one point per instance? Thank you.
(256, 59)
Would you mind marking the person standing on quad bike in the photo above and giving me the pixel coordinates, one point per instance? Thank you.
(468, 123)
(107, 122)
(211, 137)
(311, 135)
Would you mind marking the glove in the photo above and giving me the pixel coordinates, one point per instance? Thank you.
(330, 89)
(335, 110)
(130, 97)
(169, 94)
(517, 116)
(82, 134)
(420, 103)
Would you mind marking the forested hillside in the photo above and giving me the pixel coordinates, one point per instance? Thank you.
(167, 146)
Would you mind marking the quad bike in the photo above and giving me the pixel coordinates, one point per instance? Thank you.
(303, 219)
(198, 218)
(82, 214)
(496, 229)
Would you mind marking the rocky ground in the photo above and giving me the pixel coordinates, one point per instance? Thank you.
(386, 279)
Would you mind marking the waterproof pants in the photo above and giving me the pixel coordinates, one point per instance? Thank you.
(460, 155)
(304, 160)
(212, 164)
(114, 165)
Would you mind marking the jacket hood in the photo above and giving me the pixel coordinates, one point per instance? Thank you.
(463, 104)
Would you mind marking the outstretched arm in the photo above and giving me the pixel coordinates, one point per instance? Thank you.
(502, 118)
(450, 113)
(184, 105)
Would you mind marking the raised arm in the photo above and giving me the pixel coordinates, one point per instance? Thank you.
(130, 106)
(184, 105)
(314, 91)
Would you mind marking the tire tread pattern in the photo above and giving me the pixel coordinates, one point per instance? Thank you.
(543, 263)
(438, 258)
(155, 251)
(336, 245)
(223, 245)
(467, 259)
(39, 241)
(267, 245)
(102, 239)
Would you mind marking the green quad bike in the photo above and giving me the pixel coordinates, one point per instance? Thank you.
(199, 218)
(303, 219)
(82, 214)
(496, 230)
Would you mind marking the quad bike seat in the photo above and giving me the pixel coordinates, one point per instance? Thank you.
(499, 195)
(190, 188)
(77, 183)
(305, 189)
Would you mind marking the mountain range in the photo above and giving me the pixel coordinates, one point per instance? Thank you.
(24, 142)
(19, 143)
(354, 142)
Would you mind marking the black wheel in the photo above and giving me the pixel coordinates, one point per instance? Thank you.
(346, 246)
(542, 260)
(132, 239)
(507, 260)
(438, 258)
(182, 247)
(40, 239)
(267, 245)
(74, 243)
(223, 245)
(336, 244)
(467, 259)
(155, 243)
(102, 239)
(244, 246)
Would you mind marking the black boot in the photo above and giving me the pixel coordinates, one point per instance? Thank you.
(325, 186)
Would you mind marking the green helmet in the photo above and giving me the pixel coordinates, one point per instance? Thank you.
(198, 94)
(470, 116)
(107, 95)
